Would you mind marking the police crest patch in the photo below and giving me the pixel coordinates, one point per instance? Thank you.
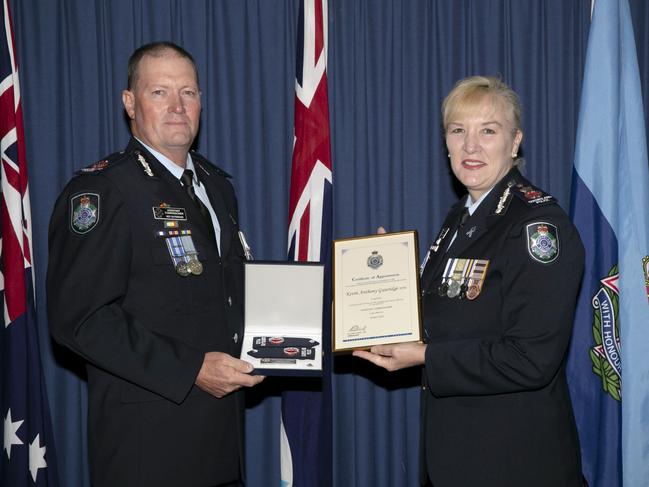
(84, 212)
(542, 242)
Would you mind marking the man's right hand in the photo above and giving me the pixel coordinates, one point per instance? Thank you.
(222, 374)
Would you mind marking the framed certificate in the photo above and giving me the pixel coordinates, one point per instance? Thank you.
(375, 291)
(283, 317)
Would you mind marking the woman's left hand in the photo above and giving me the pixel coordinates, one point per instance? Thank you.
(395, 357)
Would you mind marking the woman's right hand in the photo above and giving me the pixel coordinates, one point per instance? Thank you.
(396, 356)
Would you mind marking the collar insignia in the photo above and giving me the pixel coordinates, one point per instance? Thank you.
(145, 165)
(504, 199)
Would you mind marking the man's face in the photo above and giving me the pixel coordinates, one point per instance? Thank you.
(165, 105)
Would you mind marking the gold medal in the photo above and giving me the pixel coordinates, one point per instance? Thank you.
(194, 265)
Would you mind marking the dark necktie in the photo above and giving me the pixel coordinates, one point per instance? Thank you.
(464, 216)
(187, 179)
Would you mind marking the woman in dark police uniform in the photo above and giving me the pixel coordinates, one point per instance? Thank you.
(499, 288)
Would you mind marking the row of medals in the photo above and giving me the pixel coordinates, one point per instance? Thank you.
(193, 266)
(453, 289)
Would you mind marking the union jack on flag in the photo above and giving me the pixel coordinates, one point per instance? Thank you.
(309, 230)
(306, 415)
(28, 450)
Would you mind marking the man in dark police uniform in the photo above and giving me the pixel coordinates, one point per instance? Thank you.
(145, 283)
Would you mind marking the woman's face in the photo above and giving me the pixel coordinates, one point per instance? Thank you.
(481, 143)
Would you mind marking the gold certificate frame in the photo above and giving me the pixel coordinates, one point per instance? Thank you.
(375, 291)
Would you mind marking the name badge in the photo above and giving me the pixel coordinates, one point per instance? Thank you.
(169, 213)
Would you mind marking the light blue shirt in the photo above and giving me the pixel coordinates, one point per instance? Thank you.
(199, 189)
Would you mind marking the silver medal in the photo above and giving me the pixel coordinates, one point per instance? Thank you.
(453, 289)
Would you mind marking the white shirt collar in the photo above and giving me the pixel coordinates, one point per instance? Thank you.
(474, 206)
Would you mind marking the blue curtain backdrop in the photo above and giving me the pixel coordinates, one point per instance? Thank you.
(390, 64)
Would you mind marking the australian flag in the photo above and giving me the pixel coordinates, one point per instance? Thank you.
(306, 414)
(608, 368)
(28, 457)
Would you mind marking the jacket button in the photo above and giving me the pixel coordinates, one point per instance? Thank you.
(235, 338)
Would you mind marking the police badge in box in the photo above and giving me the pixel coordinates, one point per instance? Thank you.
(283, 317)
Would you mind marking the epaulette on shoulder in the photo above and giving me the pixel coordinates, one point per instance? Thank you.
(531, 195)
(102, 164)
(207, 166)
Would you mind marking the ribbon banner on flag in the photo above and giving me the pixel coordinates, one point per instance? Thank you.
(28, 450)
(306, 414)
(608, 368)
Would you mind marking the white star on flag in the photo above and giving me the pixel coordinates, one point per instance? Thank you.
(36, 457)
(11, 438)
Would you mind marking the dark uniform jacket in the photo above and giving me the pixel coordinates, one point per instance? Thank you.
(495, 403)
(116, 298)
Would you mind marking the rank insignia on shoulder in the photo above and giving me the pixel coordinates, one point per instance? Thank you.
(101, 165)
(532, 196)
(84, 212)
(542, 242)
(97, 166)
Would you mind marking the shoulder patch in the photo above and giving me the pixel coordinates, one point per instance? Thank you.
(101, 164)
(532, 195)
(542, 242)
(84, 212)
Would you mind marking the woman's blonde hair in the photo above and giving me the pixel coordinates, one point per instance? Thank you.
(469, 92)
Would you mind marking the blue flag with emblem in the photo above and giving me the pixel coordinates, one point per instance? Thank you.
(609, 365)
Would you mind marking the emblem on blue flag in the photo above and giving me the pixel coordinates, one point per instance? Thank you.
(85, 212)
(605, 355)
(542, 242)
